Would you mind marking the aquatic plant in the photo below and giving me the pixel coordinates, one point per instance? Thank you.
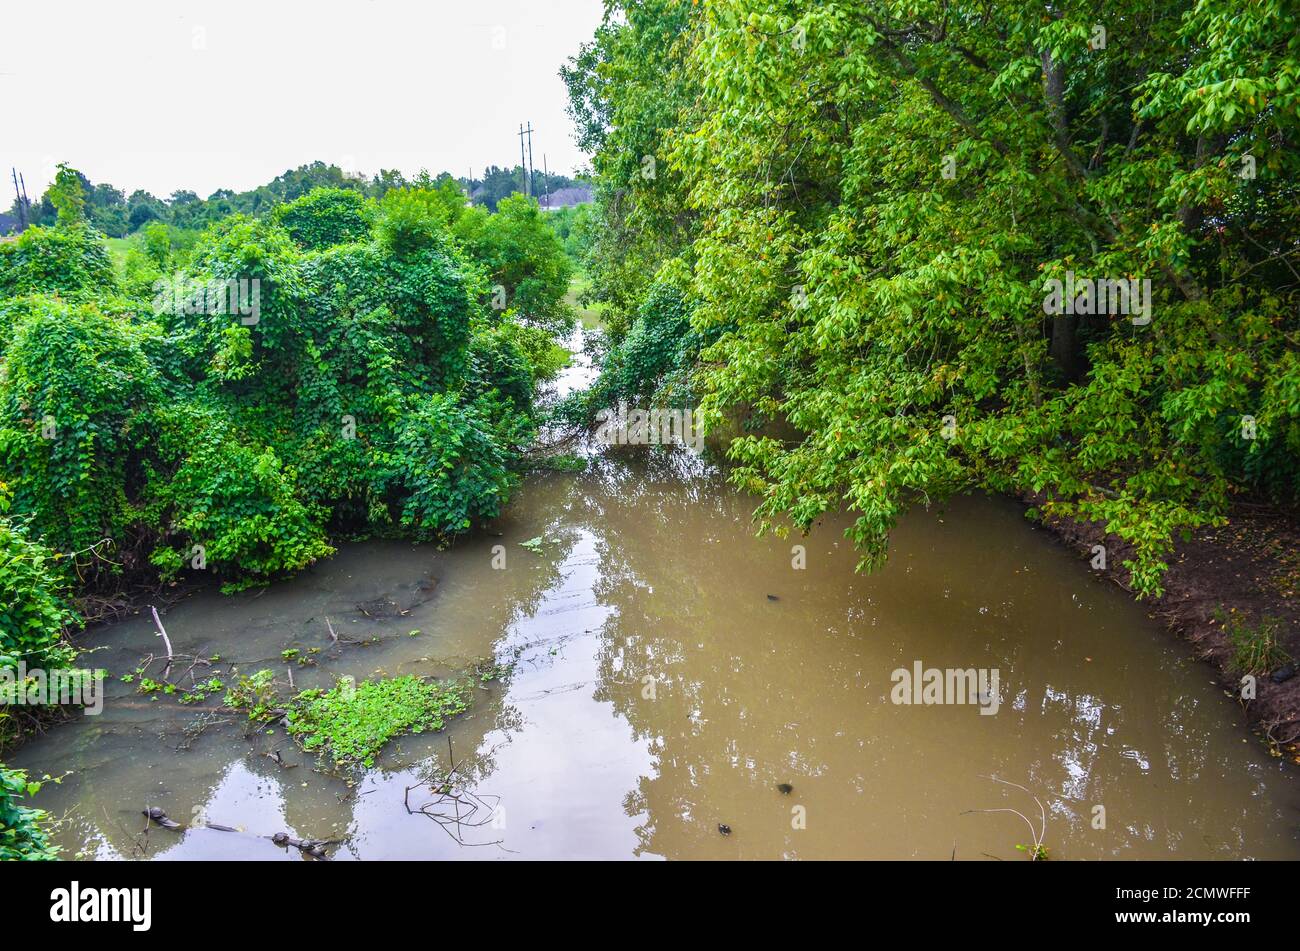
(351, 723)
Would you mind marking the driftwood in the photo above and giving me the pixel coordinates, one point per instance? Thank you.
(313, 847)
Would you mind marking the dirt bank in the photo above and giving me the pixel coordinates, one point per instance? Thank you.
(1250, 569)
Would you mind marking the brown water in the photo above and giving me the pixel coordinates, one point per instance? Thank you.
(650, 569)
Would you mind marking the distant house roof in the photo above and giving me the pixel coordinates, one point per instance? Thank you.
(8, 223)
(566, 197)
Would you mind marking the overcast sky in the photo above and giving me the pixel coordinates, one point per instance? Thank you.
(208, 94)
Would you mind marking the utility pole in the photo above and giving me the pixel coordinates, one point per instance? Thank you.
(531, 183)
(523, 165)
(18, 196)
(526, 158)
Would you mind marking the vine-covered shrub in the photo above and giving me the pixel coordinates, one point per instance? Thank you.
(416, 301)
(238, 503)
(524, 258)
(657, 353)
(447, 469)
(34, 612)
(71, 261)
(21, 835)
(236, 414)
(498, 364)
(325, 217)
(260, 264)
(75, 404)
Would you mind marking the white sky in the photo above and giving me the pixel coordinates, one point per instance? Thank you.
(208, 94)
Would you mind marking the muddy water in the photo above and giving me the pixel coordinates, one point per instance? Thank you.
(670, 670)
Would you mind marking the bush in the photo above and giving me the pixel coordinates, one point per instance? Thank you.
(21, 835)
(237, 501)
(75, 405)
(34, 615)
(447, 469)
(522, 253)
(325, 217)
(71, 261)
(498, 364)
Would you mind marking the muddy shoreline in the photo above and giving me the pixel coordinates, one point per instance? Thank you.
(1249, 567)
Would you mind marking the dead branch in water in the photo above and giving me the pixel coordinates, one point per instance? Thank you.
(308, 847)
(1038, 853)
(162, 631)
(445, 810)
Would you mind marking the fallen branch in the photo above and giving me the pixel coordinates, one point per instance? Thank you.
(313, 847)
(1038, 853)
(446, 809)
(162, 631)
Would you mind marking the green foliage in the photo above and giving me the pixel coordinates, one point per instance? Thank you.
(350, 724)
(363, 387)
(74, 416)
(21, 835)
(523, 255)
(446, 467)
(653, 361)
(254, 694)
(70, 261)
(577, 230)
(325, 217)
(68, 195)
(157, 244)
(870, 198)
(499, 366)
(627, 88)
(34, 612)
(239, 502)
(413, 219)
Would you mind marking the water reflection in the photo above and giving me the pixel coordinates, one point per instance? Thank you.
(671, 670)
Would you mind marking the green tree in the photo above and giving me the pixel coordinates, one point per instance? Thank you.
(68, 195)
(523, 256)
(876, 195)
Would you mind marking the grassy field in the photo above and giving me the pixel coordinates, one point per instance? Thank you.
(117, 248)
